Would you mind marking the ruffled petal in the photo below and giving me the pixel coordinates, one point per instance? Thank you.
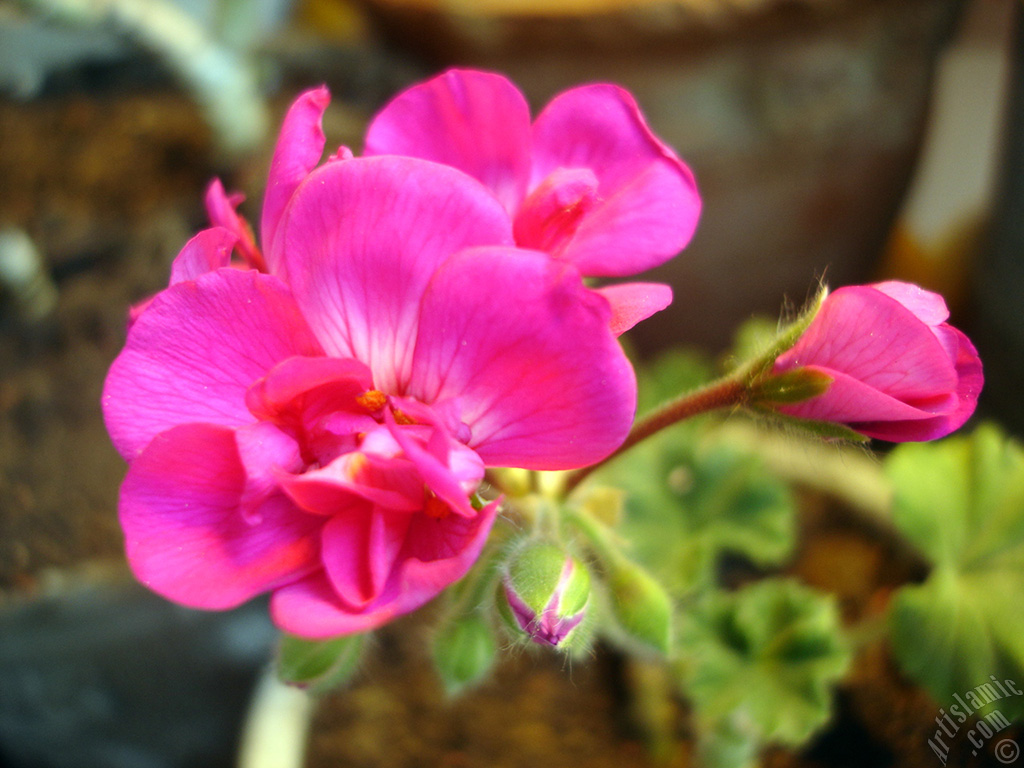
(207, 251)
(353, 479)
(299, 149)
(477, 122)
(437, 553)
(650, 204)
(185, 535)
(191, 356)
(435, 470)
(633, 302)
(359, 553)
(364, 237)
(528, 350)
(265, 451)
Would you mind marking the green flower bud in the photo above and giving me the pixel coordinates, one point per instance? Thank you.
(641, 605)
(544, 593)
(464, 652)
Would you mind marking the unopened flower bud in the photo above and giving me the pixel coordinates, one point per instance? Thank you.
(464, 652)
(641, 605)
(546, 592)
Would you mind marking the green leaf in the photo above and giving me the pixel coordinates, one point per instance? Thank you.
(690, 498)
(464, 651)
(765, 656)
(318, 665)
(961, 502)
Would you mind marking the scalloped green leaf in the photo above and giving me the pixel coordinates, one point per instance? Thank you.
(690, 498)
(766, 656)
(961, 503)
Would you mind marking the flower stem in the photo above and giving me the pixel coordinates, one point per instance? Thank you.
(722, 393)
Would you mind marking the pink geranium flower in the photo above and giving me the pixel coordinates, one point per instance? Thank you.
(587, 182)
(899, 371)
(318, 430)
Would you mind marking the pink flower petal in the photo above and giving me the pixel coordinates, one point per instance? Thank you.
(185, 535)
(477, 122)
(528, 349)
(439, 553)
(928, 306)
(353, 479)
(873, 338)
(359, 553)
(191, 356)
(207, 251)
(550, 216)
(633, 302)
(299, 149)
(221, 209)
(650, 202)
(848, 400)
(264, 451)
(435, 472)
(324, 385)
(364, 237)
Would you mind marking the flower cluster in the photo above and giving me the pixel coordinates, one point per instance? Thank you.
(314, 414)
(315, 417)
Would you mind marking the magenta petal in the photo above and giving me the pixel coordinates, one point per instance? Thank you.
(299, 149)
(364, 237)
(353, 479)
(873, 338)
(207, 251)
(436, 474)
(542, 381)
(928, 306)
(550, 216)
(633, 302)
(439, 552)
(650, 202)
(848, 400)
(191, 356)
(359, 553)
(264, 451)
(185, 536)
(477, 122)
(969, 384)
(297, 376)
(221, 209)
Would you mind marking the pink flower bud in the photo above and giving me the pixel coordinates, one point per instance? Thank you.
(898, 371)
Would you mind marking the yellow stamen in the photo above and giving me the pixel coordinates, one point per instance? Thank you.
(401, 418)
(372, 400)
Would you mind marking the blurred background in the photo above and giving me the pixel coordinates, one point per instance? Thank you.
(835, 140)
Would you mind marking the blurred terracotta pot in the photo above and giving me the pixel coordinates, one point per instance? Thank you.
(801, 119)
